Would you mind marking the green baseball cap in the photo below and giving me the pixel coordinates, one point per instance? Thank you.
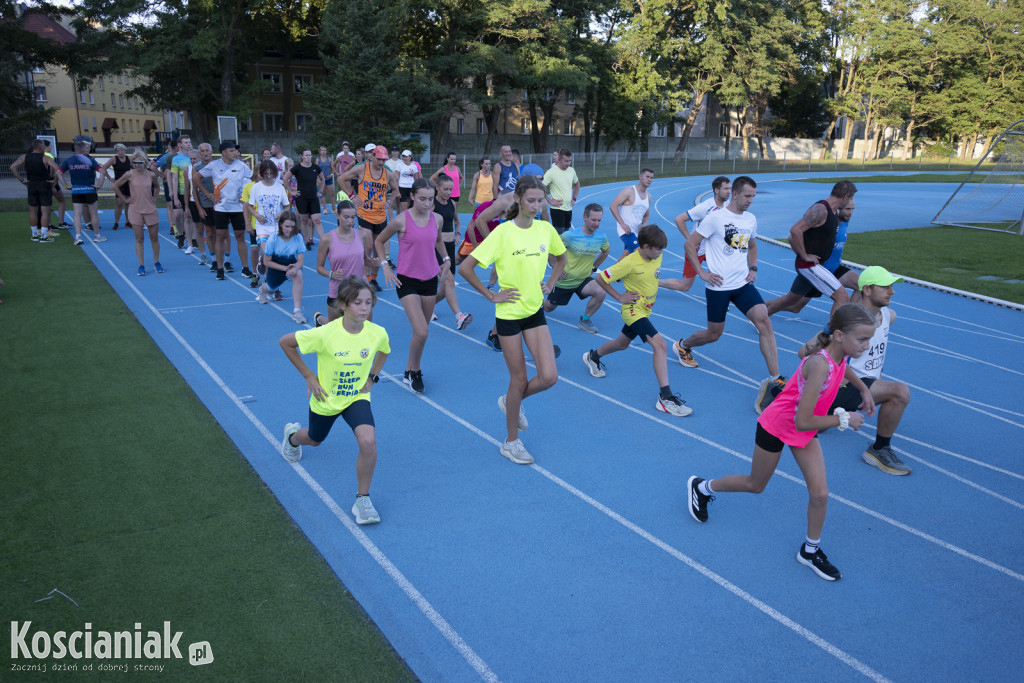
(877, 275)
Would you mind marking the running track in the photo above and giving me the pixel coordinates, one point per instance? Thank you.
(586, 566)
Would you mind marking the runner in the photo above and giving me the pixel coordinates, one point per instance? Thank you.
(451, 169)
(507, 173)
(721, 188)
(585, 250)
(407, 173)
(637, 201)
(562, 186)
(283, 254)
(39, 170)
(375, 186)
(203, 202)
(229, 174)
(445, 208)
(348, 250)
(143, 189)
(121, 165)
(81, 169)
(482, 188)
(327, 170)
(309, 188)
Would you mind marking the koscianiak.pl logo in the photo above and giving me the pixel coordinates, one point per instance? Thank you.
(95, 650)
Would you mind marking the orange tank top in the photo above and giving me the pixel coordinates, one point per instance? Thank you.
(373, 197)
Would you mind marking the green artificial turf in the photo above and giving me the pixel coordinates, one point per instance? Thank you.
(122, 491)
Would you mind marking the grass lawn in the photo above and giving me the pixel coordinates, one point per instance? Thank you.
(955, 257)
(121, 490)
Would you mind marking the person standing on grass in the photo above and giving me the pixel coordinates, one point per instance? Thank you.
(350, 355)
(585, 251)
(562, 186)
(283, 254)
(721, 188)
(519, 248)
(813, 238)
(344, 252)
(794, 420)
(445, 208)
(39, 172)
(639, 274)
(631, 208)
(58, 194)
(81, 170)
(892, 398)
(420, 249)
(121, 165)
(801, 291)
(732, 258)
(143, 189)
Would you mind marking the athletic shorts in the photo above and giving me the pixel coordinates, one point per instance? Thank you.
(560, 296)
(820, 278)
(40, 193)
(167, 193)
(405, 194)
(768, 441)
(466, 248)
(629, 241)
(276, 278)
(848, 397)
(688, 270)
(449, 247)
(411, 285)
(307, 206)
(802, 287)
(181, 201)
(84, 198)
(642, 328)
(357, 413)
(375, 228)
(561, 219)
(142, 219)
(224, 219)
(254, 239)
(744, 298)
(197, 219)
(510, 328)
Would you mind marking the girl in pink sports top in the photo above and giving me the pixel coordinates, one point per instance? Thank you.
(451, 169)
(420, 251)
(344, 251)
(794, 419)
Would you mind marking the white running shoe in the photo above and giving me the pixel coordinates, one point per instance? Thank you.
(298, 317)
(674, 406)
(596, 367)
(364, 511)
(516, 452)
(262, 297)
(462, 320)
(291, 453)
(189, 250)
(523, 424)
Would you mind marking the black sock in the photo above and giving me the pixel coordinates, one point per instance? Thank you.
(881, 441)
(594, 356)
(666, 391)
(290, 442)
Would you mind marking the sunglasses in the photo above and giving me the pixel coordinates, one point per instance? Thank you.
(138, 163)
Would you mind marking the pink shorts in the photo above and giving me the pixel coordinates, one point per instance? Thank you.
(140, 219)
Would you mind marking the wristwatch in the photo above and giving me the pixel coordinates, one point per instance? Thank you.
(753, 268)
(375, 378)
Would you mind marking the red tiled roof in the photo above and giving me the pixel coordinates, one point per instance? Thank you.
(46, 28)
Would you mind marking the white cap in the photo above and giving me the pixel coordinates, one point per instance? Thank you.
(369, 148)
(406, 153)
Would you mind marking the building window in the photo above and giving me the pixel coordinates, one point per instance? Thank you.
(81, 96)
(101, 85)
(245, 125)
(570, 97)
(549, 94)
(94, 123)
(118, 78)
(303, 122)
(85, 123)
(92, 97)
(524, 126)
(120, 100)
(728, 129)
(113, 99)
(136, 102)
(273, 121)
(302, 81)
(460, 126)
(274, 79)
(131, 126)
(40, 93)
(481, 128)
(570, 127)
(121, 129)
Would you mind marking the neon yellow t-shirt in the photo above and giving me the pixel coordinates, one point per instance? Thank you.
(521, 255)
(638, 276)
(343, 197)
(343, 362)
(246, 193)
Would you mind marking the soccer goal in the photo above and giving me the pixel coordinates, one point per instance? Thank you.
(991, 199)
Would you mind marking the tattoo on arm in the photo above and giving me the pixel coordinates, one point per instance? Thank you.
(815, 216)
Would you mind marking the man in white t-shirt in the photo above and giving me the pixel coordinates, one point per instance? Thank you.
(631, 208)
(731, 251)
(230, 174)
(721, 189)
(282, 162)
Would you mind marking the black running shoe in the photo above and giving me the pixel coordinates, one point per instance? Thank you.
(254, 281)
(228, 267)
(376, 286)
(493, 341)
(698, 501)
(181, 241)
(246, 272)
(819, 564)
(220, 273)
(213, 266)
(416, 377)
(558, 351)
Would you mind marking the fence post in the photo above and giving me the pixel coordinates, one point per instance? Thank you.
(662, 163)
(594, 165)
(891, 152)
(950, 162)
(616, 164)
(784, 153)
(920, 160)
(734, 165)
(809, 157)
(686, 158)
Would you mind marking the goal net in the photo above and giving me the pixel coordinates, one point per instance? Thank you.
(991, 198)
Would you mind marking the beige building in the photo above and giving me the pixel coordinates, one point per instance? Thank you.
(100, 109)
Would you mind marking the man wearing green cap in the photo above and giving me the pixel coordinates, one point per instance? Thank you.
(874, 293)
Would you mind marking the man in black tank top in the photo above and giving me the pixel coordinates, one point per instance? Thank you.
(813, 237)
(39, 173)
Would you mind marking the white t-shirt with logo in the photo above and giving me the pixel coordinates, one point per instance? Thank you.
(727, 236)
(699, 213)
(228, 183)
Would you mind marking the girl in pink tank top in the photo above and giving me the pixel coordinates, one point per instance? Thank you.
(421, 255)
(344, 251)
(794, 419)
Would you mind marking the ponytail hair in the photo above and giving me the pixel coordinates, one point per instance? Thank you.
(524, 183)
(845, 318)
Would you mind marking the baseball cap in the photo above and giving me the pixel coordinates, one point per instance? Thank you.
(228, 144)
(370, 148)
(381, 152)
(877, 275)
(406, 153)
(394, 148)
(531, 169)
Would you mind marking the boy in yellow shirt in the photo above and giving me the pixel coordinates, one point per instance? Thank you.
(639, 272)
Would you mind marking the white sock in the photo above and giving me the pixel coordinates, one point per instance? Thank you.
(705, 487)
(811, 546)
(35, 231)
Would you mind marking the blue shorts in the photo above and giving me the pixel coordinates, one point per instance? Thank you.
(357, 413)
(745, 298)
(630, 242)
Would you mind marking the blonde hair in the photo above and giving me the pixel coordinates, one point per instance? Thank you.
(139, 155)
